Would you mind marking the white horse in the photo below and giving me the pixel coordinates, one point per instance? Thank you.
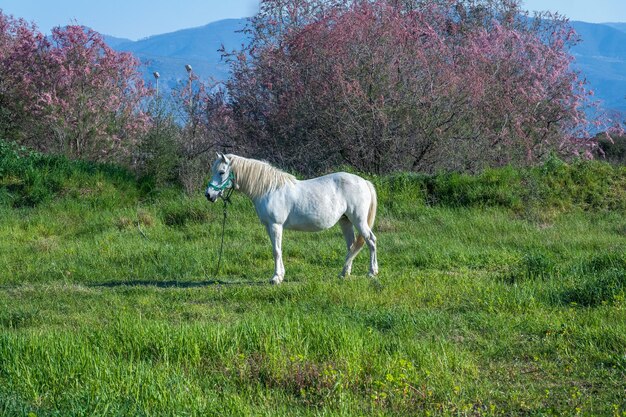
(283, 202)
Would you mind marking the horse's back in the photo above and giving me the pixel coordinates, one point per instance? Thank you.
(342, 180)
(348, 191)
(318, 203)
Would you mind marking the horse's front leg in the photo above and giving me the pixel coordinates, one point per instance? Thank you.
(276, 236)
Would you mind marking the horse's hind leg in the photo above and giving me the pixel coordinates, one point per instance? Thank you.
(367, 236)
(348, 233)
(354, 246)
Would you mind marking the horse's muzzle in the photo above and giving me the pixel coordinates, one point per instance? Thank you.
(212, 199)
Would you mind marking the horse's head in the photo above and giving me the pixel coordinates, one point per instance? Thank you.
(222, 178)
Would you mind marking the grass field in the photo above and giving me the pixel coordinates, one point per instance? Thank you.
(109, 304)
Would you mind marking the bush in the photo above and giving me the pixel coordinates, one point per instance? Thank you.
(29, 178)
(181, 212)
(549, 188)
(613, 151)
(597, 289)
(158, 156)
(494, 187)
(69, 92)
(532, 266)
(422, 86)
(590, 185)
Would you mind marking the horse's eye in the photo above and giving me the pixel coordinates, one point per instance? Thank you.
(222, 172)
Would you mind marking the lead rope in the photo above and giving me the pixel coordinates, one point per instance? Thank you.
(226, 201)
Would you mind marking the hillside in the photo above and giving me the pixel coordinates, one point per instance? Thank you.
(499, 294)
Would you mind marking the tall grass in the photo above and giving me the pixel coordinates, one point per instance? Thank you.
(499, 294)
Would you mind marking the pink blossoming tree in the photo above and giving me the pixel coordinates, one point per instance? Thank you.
(422, 85)
(69, 93)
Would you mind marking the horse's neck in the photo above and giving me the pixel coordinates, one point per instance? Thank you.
(244, 186)
(255, 178)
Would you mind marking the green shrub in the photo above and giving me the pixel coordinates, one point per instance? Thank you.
(493, 187)
(400, 191)
(554, 185)
(531, 266)
(613, 151)
(159, 157)
(29, 178)
(590, 185)
(597, 289)
(182, 211)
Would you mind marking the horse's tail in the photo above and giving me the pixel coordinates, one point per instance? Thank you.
(371, 214)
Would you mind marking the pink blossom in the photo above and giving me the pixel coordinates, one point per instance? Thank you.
(71, 92)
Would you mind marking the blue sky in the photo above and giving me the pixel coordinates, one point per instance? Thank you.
(595, 11)
(135, 19)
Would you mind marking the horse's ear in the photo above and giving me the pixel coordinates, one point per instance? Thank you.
(223, 158)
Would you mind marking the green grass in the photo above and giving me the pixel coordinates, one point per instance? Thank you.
(109, 304)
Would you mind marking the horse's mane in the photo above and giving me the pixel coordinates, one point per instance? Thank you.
(256, 178)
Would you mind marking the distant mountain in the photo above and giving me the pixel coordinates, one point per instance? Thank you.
(113, 42)
(601, 56)
(618, 26)
(170, 52)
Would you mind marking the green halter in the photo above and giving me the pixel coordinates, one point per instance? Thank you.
(227, 183)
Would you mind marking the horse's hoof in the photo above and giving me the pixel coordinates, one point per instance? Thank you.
(276, 280)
